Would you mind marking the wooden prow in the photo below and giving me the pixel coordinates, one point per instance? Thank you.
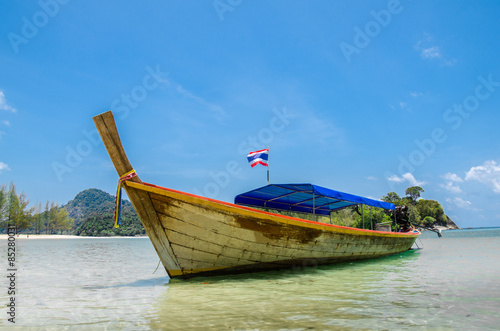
(141, 201)
(106, 126)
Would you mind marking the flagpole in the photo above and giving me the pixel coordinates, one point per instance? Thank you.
(268, 166)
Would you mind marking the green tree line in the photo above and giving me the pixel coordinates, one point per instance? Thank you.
(90, 213)
(102, 225)
(422, 212)
(93, 210)
(14, 212)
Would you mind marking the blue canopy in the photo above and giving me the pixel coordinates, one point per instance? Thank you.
(304, 198)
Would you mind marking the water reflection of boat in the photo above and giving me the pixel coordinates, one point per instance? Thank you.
(195, 235)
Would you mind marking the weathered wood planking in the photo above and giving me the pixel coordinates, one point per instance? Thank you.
(194, 235)
(209, 236)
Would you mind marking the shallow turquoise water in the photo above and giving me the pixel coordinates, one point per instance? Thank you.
(453, 283)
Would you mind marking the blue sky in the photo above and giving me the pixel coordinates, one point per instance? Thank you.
(365, 97)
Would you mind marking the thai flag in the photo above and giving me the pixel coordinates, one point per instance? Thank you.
(259, 157)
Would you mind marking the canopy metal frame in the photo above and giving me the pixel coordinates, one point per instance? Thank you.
(304, 198)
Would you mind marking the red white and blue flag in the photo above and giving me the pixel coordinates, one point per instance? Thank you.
(259, 157)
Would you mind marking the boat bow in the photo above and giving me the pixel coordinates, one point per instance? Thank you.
(195, 235)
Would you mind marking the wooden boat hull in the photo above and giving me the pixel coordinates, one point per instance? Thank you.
(194, 235)
(208, 236)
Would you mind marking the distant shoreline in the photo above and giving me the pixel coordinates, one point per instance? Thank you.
(23, 236)
(444, 228)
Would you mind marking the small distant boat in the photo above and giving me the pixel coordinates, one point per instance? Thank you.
(194, 235)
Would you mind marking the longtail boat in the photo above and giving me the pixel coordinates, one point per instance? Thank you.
(195, 235)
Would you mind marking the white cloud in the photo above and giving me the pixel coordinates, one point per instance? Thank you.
(3, 166)
(416, 94)
(395, 179)
(459, 202)
(428, 50)
(371, 178)
(488, 174)
(451, 184)
(408, 177)
(431, 53)
(5, 122)
(4, 105)
(411, 179)
(452, 177)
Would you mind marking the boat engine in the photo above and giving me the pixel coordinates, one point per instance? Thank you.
(402, 218)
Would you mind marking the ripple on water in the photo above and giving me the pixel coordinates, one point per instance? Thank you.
(108, 283)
